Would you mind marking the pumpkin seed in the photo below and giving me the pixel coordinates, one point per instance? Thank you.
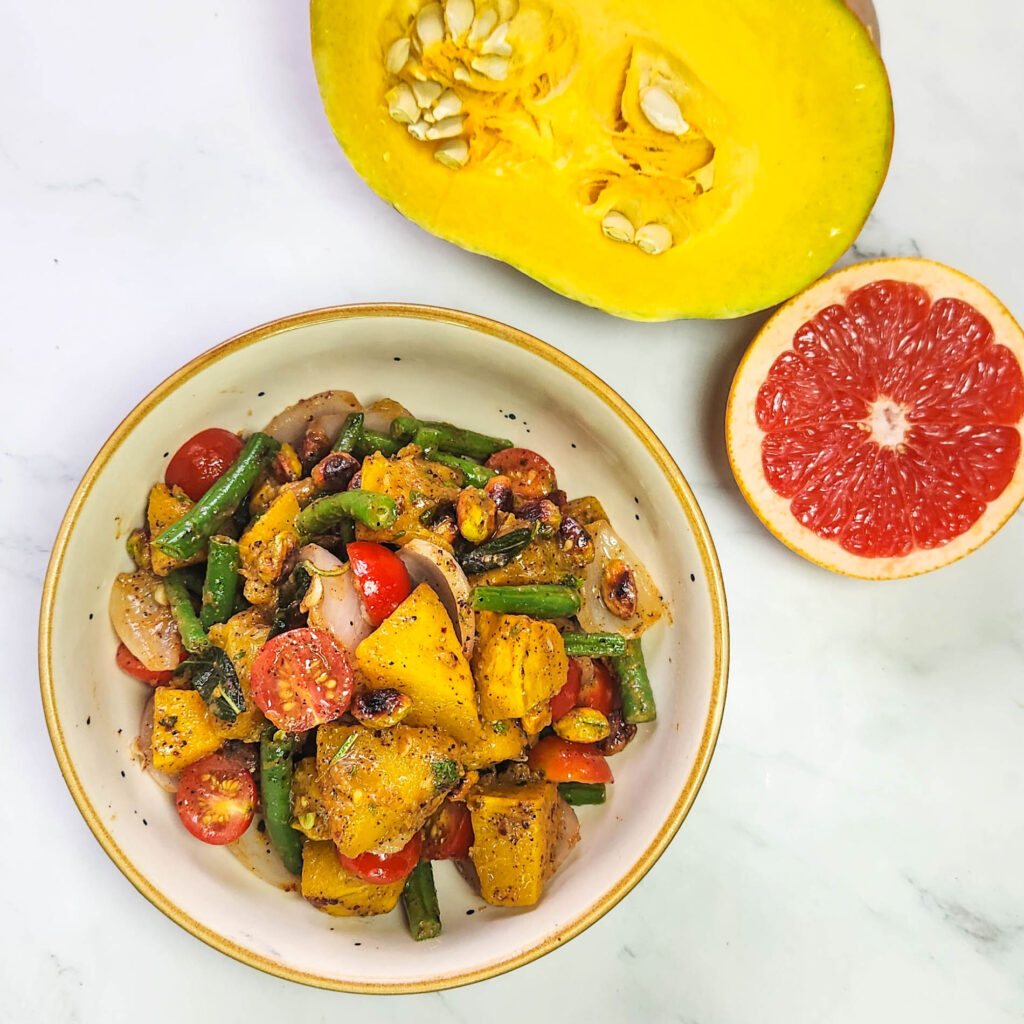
(402, 104)
(458, 17)
(430, 25)
(427, 93)
(492, 66)
(453, 154)
(448, 128)
(662, 111)
(419, 130)
(496, 42)
(447, 105)
(618, 227)
(398, 55)
(654, 239)
(484, 24)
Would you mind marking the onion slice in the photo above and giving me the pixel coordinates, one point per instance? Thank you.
(594, 615)
(334, 602)
(378, 416)
(327, 410)
(427, 563)
(142, 623)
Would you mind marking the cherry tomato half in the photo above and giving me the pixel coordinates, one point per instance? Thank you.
(382, 578)
(449, 833)
(531, 474)
(385, 868)
(301, 679)
(600, 691)
(567, 697)
(200, 462)
(562, 761)
(127, 662)
(216, 799)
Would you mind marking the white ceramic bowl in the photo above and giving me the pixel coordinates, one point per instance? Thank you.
(443, 365)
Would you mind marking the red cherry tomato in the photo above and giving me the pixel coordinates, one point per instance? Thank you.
(600, 692)
(562, 761)
(382, 579)
(127, 662)
(385, 868)
(567, 697)
(216, 799)
(200, 462)
(301, 679)
(531, 474)
(449, 834)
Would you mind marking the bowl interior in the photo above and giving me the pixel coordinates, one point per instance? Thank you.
(444, 366)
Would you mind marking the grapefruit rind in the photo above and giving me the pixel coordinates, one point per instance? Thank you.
(744, 436)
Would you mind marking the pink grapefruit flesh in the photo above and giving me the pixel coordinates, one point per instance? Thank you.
(875, 423)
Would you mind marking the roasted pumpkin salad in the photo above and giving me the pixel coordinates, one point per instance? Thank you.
(394, 640)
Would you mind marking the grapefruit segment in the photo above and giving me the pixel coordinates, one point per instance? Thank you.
(875, 423)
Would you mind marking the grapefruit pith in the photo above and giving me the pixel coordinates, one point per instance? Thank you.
(875, 423)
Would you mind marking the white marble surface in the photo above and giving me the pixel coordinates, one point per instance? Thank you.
(167, 179)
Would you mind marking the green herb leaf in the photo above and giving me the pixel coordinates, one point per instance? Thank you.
(446, 773)
(346, 746)
(214, 679)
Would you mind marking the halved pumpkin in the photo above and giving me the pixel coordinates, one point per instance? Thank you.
(656, 160)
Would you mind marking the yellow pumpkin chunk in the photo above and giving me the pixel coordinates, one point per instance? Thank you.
(515, 828)
(165, 507)
(309, 815)
(417, 487)
(241, 637)
(416, 651)
(379, 787)
(497, 741)
(332, 889)
(264, 548)
(518, 663)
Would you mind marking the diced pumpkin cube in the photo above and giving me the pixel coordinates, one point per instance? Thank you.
(265, 547)
(514, 833)
(332, 889)
(416, 651)
(183, 729)
(497, 741)
(417, 487)
(518, 662)
(167, 506)
(379, 787)
(309, 815)
(241, 638)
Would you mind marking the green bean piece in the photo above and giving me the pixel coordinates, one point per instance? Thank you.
(371, 442)
(495, 553)
(183, 539)
(220, 588)
(419, 898)
(193, 636)
(541, 601)
(594, 645)
(452, 439)
(637, 696)
(580, 794)
(474, 475)
(429, 440)
(377, 511)
(276, 752)
(351, 431)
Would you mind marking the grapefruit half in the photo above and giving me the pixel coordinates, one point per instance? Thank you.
(875, 423)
